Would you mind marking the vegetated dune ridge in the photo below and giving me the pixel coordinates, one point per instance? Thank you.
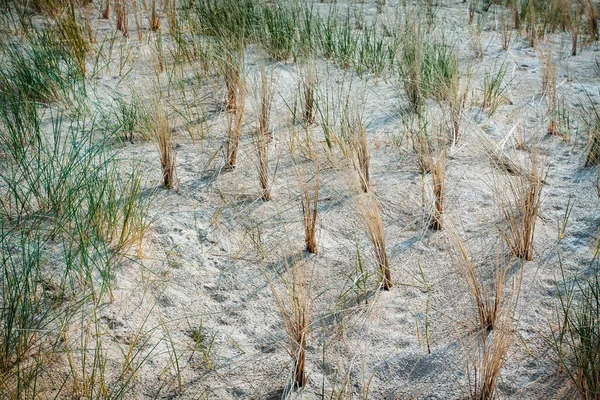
(192, 306)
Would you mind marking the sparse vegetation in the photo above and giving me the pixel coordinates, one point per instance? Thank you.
(314, 146)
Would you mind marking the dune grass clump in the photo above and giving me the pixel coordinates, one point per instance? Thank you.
(39, 69)
(591, 119)
(428, 68)
(410, 65)
(235, 121)
(494, 89)
(575, 337)
(360, 151)
(295, 305)
(308, 83)
(121, 17)
(487, 346)
(373, 224)
(437, 163)
(263, 135)
(230, 66)
(310, 210)
(549, 87)
(519, 203)
(164, 140)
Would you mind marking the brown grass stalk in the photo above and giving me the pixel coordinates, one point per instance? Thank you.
(457, 100)
(437, 164)
(295, 305)
(575, 32)
(361, 157)
(121, 13)
(234, 128)
(310, 211)
(154, 18)
(231, 70)
(519, 206)
(487, 297)
(487, 347)
(592, 16)
(106, 11)
(309, 81)
(261, 145)
(488, 353)
(266, 100)
(369, 212)
(549, 87)
(164, 140)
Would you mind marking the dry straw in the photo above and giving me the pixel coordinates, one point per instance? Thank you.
(369, 213)
(164, 140)
(310, 210)
(295, 305)
(519, 202)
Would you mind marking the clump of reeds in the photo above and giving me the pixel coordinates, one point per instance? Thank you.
(106, 11)
(295, 305)
(575, 27)
(410, 62)
(486, 296)
(369, 212)
(121, 15)
(592, 16)
(592, 122)
(154, 18)
(507, 31)
(493, 90)
(261, 142)
(164, 140)
(310, 210)
(266, 100)
(519, 206)
(308, 84)
(360, 149)
(261, 146)
(487, 356)
(437, 163)
(549, 87)
(234, 127)
(457, 99)
(575, 337)
(495, 302)
(231, 69)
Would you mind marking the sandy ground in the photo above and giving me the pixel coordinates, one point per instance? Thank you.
(214, 244)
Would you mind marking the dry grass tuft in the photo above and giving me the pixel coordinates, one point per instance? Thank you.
(309, 82)
(361, 157)
(310, 211)
(154, 18)
(261, 142)
(369, 212)
(234, 128)
(266, 100)
(261, 146)
(487, 297)
(438, 177)
(487, 347)
(486, 358)
(549, 86)
(164, 140)
(519, 205)
(121, 13)
(106, 11)
(231, 69)
(295, 305)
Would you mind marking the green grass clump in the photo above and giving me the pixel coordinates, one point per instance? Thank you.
(39, 69)
(576, 339)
